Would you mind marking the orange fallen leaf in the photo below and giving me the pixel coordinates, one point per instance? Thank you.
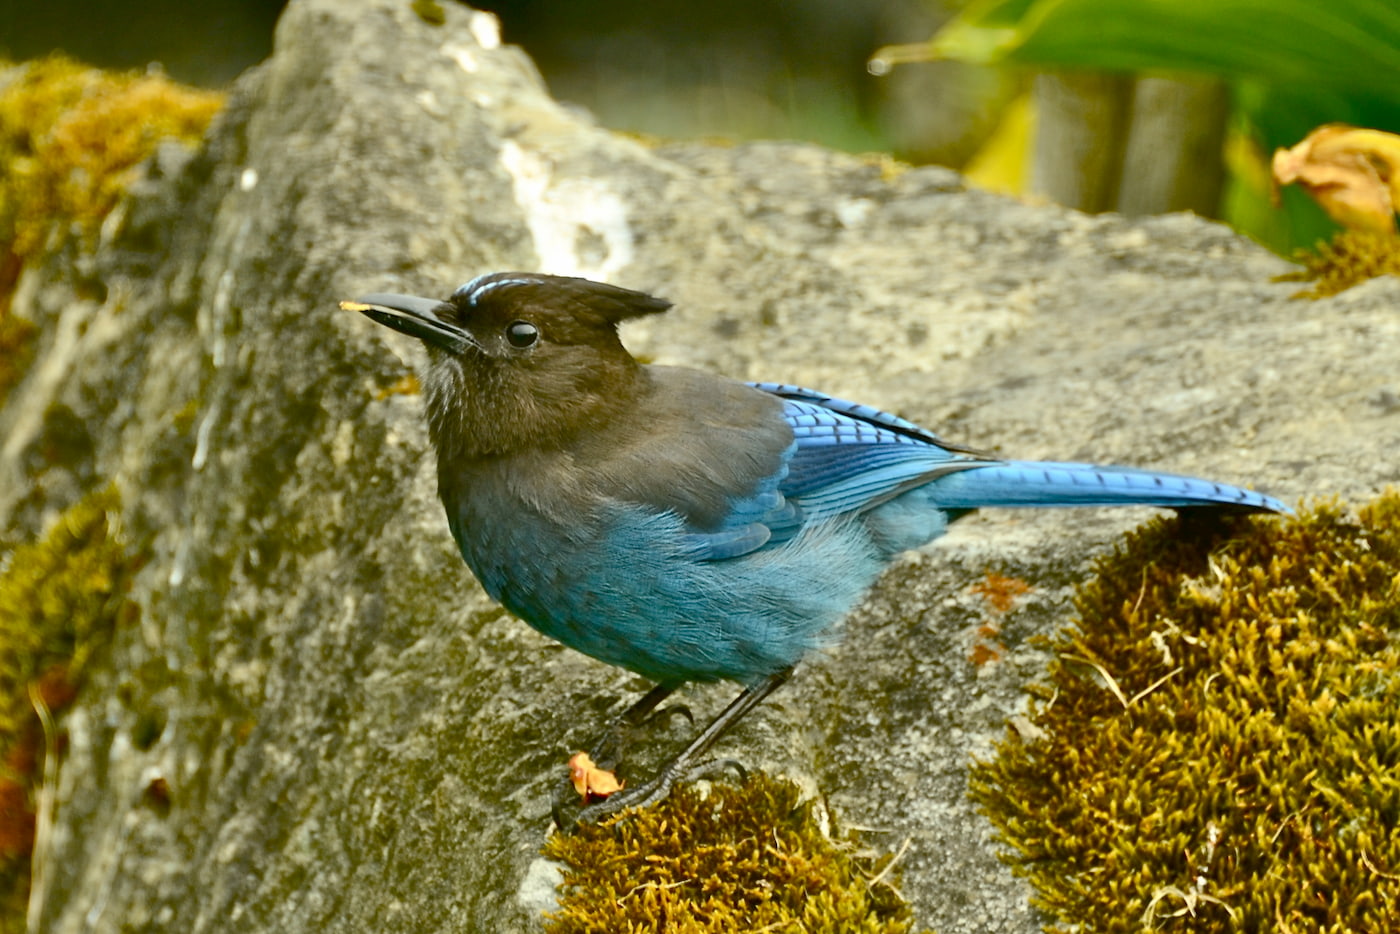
(1000, 591)
(983, 654)
(1352, 173)
(591, 781)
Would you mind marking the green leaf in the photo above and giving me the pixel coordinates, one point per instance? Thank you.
(1291, 66)
(1349, 45)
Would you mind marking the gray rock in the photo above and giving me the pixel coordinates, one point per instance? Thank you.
(353, 736)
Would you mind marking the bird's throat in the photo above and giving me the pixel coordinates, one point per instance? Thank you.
(497, 411)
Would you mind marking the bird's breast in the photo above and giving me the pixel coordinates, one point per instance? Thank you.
(625, 584)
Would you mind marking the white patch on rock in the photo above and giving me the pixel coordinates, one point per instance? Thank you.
(579, 226)
(485, 29)
(539, 890)
(463, 56)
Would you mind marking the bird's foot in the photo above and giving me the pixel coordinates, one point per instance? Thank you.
(570, 812)
(668, 714)
(610, 748)
(652, 792)
(591, 776)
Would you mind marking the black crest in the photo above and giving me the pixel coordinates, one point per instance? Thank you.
(582, 298)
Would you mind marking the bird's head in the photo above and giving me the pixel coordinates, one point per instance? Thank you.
(519, 360)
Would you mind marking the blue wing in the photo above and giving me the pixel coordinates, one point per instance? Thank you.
(844, 458)
(852, 459)
(861, 413)
(847, 463)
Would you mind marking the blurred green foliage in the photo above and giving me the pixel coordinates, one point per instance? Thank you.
(1292, 65)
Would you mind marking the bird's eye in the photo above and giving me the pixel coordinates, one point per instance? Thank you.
(521, 334)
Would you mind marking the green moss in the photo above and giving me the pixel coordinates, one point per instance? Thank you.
(16, 348)
(748, 857)
(70, 139)
(59, 601)
(1219, 746)
(1353, 257)
(184, 417)
(430, 12)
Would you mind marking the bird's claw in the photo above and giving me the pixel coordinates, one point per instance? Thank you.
(715, 768)
(640, 796)
(689, 764)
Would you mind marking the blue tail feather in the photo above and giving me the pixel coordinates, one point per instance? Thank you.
(1048, 483)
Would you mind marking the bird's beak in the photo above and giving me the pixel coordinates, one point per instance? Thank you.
(414, 316)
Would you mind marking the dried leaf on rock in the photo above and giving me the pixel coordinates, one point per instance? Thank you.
(590, 781)
(1352, 173)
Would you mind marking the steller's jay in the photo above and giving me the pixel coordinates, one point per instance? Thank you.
(676, 523)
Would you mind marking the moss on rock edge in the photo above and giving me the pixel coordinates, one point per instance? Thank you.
(748, 857)
(1350, 258)
(60, 599)
(1218, 748)
(70, 139)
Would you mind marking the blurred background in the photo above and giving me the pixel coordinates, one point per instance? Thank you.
(1126, 105)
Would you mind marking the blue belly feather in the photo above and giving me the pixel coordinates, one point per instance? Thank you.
(636, 592)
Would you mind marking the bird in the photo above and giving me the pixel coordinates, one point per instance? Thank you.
(677, 523)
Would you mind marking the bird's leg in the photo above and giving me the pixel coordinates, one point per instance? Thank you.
(608, 749)
(690, 760)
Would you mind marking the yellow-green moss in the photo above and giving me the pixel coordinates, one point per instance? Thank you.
(16, 348)
(1219, 747)
(749, 857)
(1352, 257)
(430, 12)
(70, 138)
(59, 601)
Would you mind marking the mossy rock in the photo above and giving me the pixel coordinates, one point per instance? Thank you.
(71, 138)
(60, 600)
(1218, 748)
(1351, 258)
(747, 857)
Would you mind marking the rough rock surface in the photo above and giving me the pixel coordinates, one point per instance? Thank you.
(353, 737)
